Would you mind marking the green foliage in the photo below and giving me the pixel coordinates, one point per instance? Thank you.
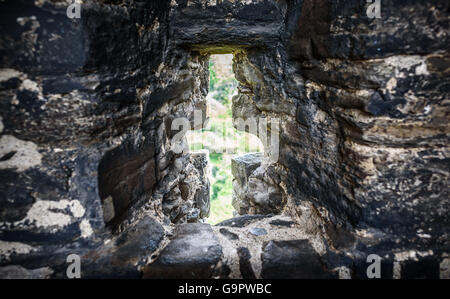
(221, 188)
(222, 85)
(213, 80)
(222, 89)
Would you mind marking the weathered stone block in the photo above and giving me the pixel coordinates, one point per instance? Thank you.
(193, 253)
(125, 173)
(291, 259)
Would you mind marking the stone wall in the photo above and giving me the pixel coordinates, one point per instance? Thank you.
(364, 140)
(87, 166)
(86, 109)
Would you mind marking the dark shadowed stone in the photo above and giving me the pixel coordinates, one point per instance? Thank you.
(201, 199)
(61, 85)
(18, 272)
(142, 239)
(10, 84)
(244, 263)
(302, 117)
(222, 270)
(363, 109)
(339, 236)
(242, 221)
(130, 250)
(279, 222)
(14, 202)
(291, 259)
(41, 236)
(161, 96)
(378, 105)
(124, 173)
(427, 268)
(228, 234)
(193, 253)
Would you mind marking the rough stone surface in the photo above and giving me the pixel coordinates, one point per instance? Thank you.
(18, 272)
(291, 259)
(241, 221)
(189, 201)
(228, 234)
(193, 253)
(245, 265)
(86, 113)
(141, 240)
(251, 195)
(282, 223)
(244, 255)
(201, 196)
(124, 173)
(85, 123)
(363, 135)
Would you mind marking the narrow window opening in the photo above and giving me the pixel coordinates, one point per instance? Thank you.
(220, 138)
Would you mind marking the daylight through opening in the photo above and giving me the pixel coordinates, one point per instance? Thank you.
(220, 138)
